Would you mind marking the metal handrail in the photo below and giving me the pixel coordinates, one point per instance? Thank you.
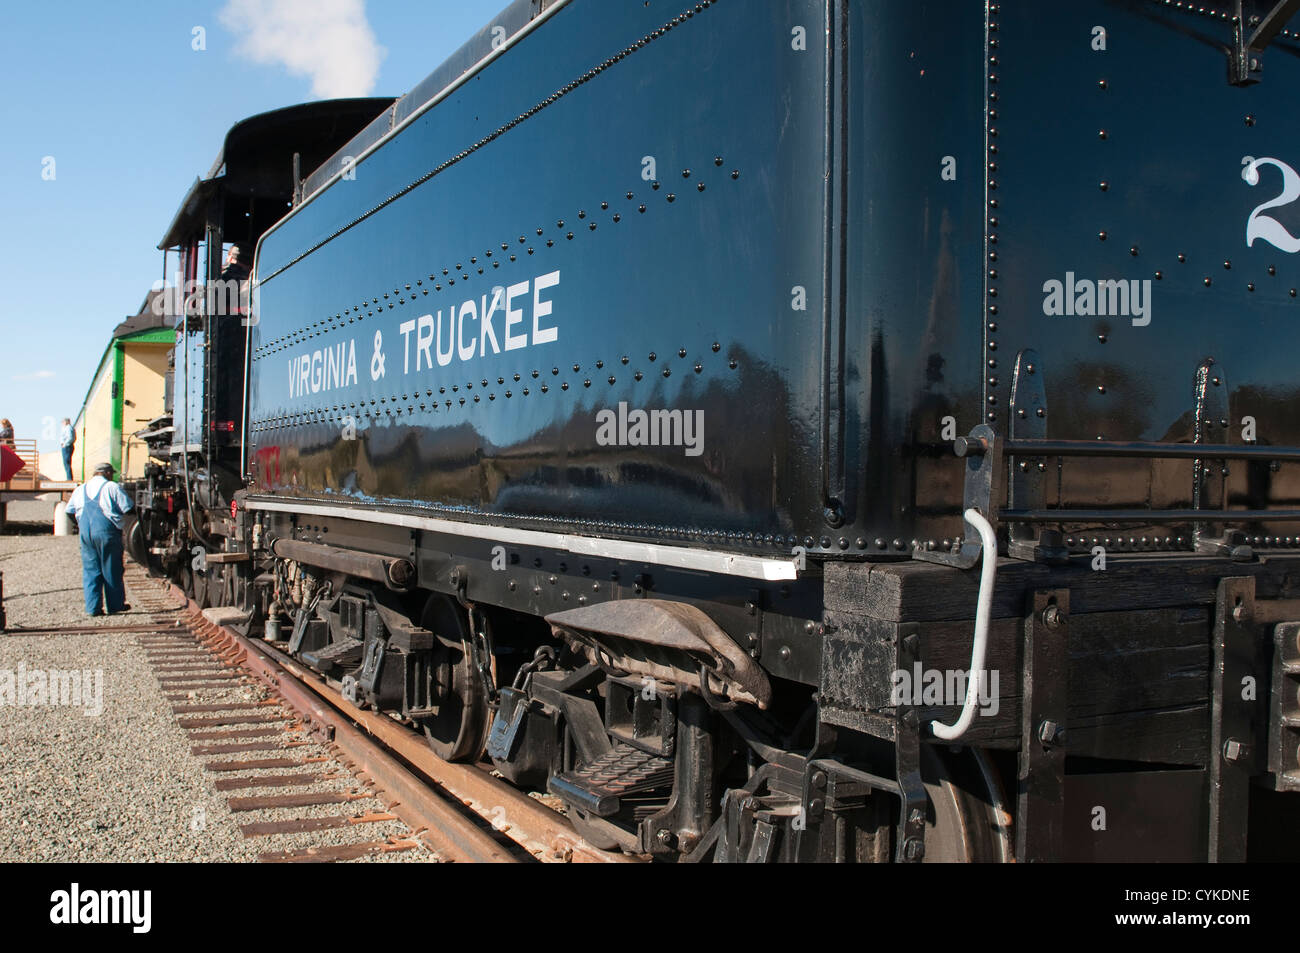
(1178, 451)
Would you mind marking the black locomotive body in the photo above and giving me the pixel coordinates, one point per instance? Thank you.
(196, 449)
(602, 398)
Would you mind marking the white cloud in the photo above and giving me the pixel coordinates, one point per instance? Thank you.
(34, 376)
(328, 41)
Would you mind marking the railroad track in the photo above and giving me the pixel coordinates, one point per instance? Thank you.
(236, 696)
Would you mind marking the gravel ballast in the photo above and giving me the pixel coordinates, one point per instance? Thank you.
(121, 784)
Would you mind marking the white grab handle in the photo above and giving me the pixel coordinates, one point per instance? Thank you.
(983, 608)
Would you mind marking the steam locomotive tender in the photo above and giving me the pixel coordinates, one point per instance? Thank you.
(602, 397)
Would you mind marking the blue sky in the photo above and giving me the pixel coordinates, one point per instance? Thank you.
(131, 113)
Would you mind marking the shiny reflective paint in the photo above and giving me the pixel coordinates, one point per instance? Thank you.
(1131, 163)
(742, 289)
(902, 190)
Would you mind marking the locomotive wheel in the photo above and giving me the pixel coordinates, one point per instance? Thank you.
(961, 823)
(137, 544)
(459, 731)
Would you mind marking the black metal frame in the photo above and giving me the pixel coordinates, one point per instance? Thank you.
(1040, 776)
(1247, 47)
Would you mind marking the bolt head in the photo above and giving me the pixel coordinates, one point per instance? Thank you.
(1051, 733)
(1234, 750)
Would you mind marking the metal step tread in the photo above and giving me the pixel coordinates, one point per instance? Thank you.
(345, 652)
(623, 770)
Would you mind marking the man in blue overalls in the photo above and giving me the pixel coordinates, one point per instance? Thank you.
(98, 505)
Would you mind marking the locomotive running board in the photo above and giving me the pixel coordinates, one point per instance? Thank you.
(677, 557)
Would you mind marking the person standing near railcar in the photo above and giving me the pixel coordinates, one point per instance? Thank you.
(99, 505)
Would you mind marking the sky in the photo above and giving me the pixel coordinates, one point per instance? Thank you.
(113, 109)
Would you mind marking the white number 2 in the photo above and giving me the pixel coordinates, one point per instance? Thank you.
(1262, 226)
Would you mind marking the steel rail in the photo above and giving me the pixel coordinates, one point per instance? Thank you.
(402, 763)
(441, 826)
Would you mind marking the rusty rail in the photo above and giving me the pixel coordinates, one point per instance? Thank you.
(422, 785)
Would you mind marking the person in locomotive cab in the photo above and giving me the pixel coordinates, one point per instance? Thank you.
(234, 278)
(237, 263)
(99, 504)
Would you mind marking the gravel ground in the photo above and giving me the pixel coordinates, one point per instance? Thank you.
(122, 785)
